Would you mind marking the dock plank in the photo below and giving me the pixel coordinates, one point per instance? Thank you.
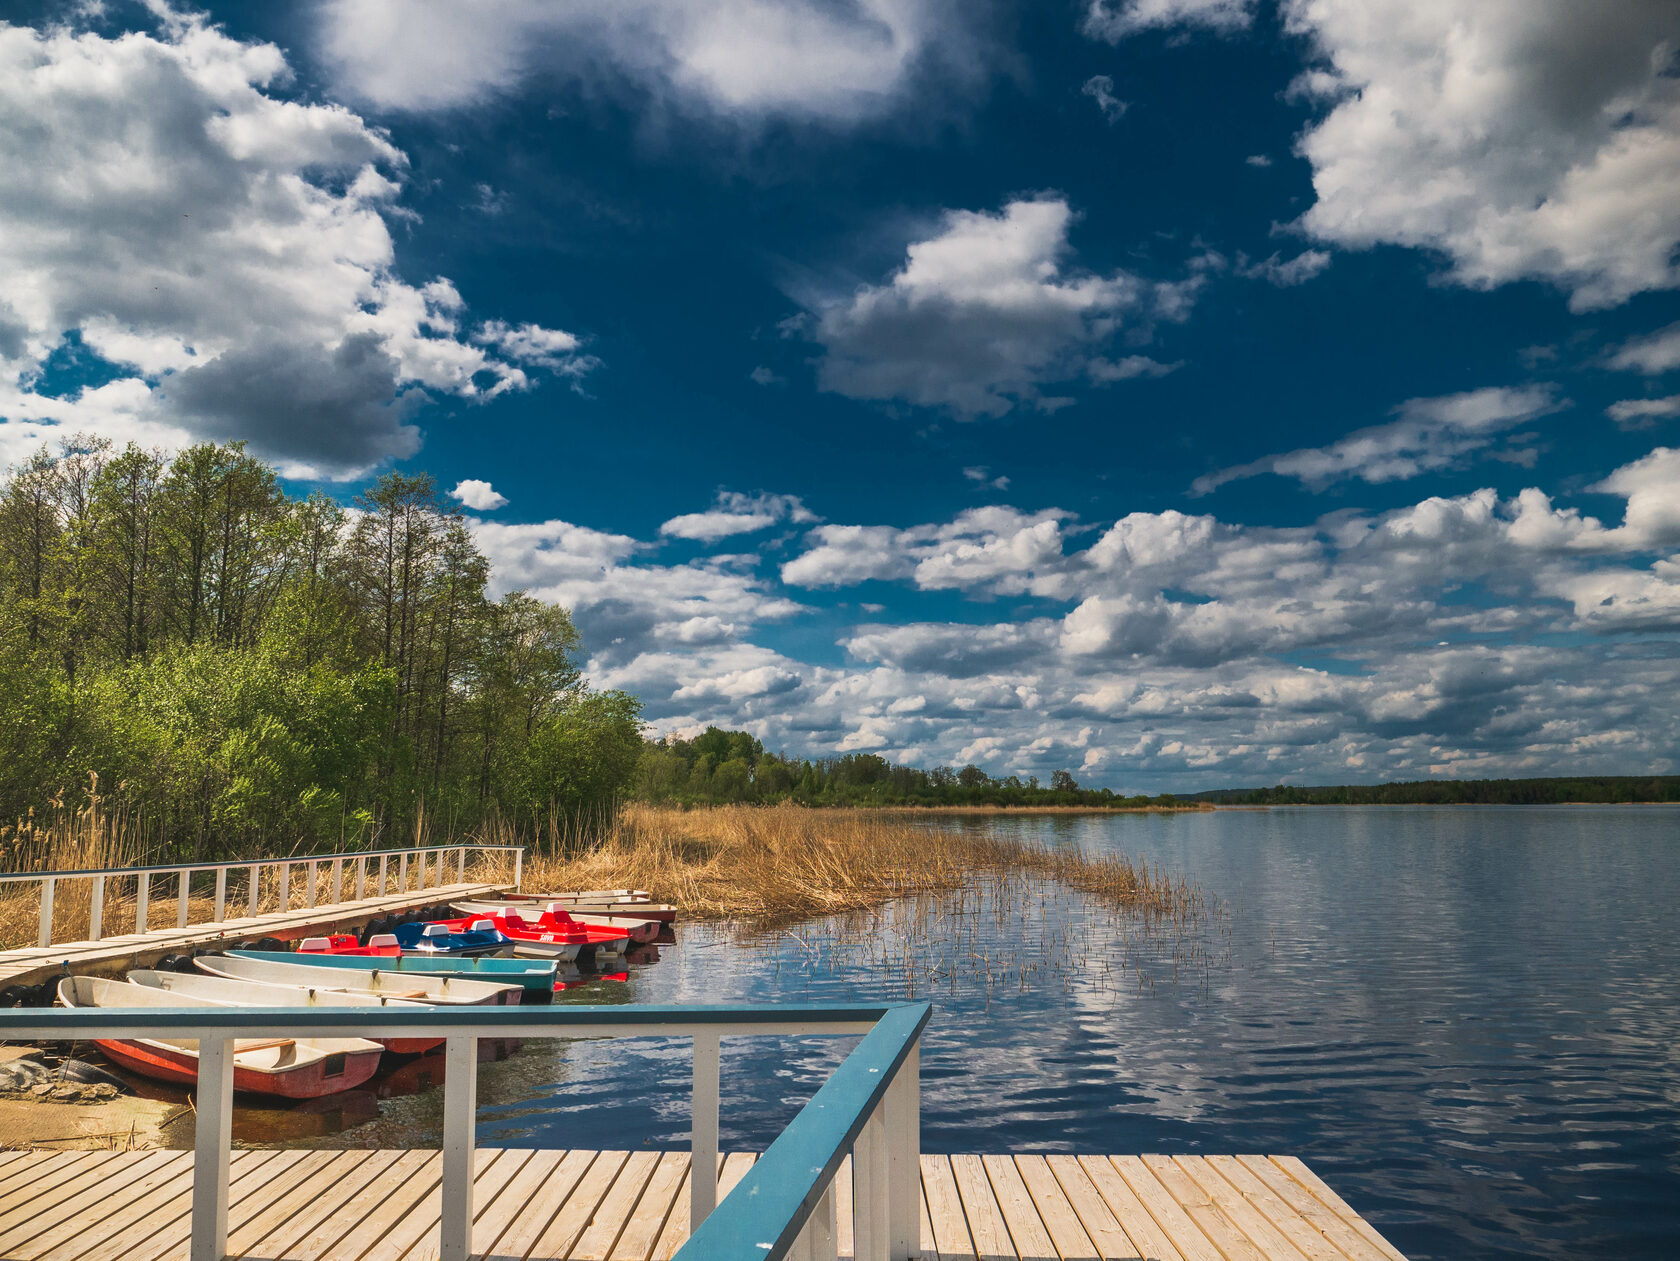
(620, 1206)
(1272, 1242)
(980, 1206)
(1297, 1169)
(945, 1208)
(1055, 1210)
(1317, 1233)
(1149, 1236)
(641, 1233)
(1027, 1233)
(544, 1185)
(1231, 1243)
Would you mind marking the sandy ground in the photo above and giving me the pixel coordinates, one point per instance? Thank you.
(81, 1120)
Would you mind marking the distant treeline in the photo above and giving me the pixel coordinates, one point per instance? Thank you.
(720, 767)
(1606, 789)
(243, 669)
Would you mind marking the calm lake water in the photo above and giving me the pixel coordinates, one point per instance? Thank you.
(1467, 1020)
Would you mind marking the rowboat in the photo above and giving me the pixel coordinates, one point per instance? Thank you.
(290, 1068)
(230, 993)
(446, 991)
(551, 934)
(478, 938)
(638, 930)
(535, 977)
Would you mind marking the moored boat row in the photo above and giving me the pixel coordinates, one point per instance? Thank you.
(497, 951)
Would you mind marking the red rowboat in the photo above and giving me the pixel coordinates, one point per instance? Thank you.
(292, 1068)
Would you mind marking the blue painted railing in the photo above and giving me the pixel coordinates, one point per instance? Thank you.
(785, 1207)
(770, 1212)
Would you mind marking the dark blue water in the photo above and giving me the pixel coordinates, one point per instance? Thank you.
(1467, 1020)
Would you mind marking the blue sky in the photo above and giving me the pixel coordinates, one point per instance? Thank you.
(1182, 392)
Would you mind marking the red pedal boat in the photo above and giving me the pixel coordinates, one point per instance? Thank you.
(549, 934)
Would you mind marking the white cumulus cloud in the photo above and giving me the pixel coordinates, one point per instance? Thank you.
(984, 314)
(1430, 434)
(1114, 20)
(226, 247)
(479, 495)
(1518, 139)
(798, 57)
(736, 513)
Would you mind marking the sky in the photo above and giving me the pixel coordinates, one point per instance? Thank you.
(1184, 393)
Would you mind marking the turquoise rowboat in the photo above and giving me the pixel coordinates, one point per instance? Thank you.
(536, 976)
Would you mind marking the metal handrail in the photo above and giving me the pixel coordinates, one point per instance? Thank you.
(876, 1083)
(183, 873)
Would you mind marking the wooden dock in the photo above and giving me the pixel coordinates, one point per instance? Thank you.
(115, 954)
(384, 1206)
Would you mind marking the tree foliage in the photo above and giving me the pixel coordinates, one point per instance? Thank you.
(720, 766)
(245, 670)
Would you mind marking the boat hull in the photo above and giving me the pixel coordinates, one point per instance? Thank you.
(526, 973)
(165, 1063)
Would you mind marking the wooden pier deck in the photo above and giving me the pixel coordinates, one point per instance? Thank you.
(114, 954)
(384, 1206)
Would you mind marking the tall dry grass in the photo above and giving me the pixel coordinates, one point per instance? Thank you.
(775, 865)
(759, 866)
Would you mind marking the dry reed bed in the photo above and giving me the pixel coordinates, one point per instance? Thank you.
(761, 867)
(776, 865)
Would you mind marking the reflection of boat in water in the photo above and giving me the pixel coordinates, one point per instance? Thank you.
(293, 1068)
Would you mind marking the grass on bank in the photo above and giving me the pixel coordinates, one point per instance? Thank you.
(761, 866)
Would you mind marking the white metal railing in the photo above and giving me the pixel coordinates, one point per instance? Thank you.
(871, 1107)
(282, 869)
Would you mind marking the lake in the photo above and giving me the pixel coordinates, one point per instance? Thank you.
(1466, 1019)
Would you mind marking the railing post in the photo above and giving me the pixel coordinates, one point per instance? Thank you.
(361, 875)
(256, 888)
(213, 1133)
(285, 886)
(96, 909)
(402, 873)
(870, 1226)
(518, 868)
(460, 1106)
(904, 1157)
(461, 866)
(47, 884)
(142, 900)
(703, 1127)
(822, 1240)
(338, 880)
(184, 880)
(380, 891)
(309, 889)
(221, 894)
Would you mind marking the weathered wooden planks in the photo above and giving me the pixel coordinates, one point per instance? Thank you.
(633, 1206)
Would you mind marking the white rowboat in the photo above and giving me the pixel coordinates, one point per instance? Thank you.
(437, 990)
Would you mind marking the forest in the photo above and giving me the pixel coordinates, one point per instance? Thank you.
(1567, 790)
(721, 767)
(229, 669)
